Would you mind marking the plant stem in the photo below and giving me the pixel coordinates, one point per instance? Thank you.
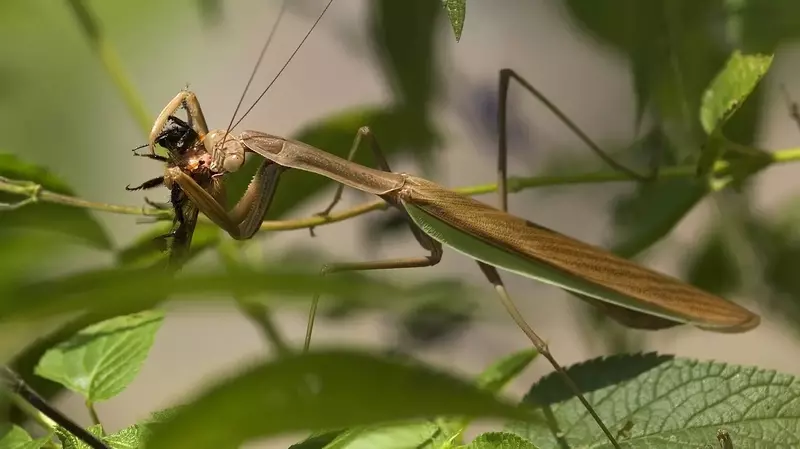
(516, 184)
(258, 313)
(111, 62)
(93, 413)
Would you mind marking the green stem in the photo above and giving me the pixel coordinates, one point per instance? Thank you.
(258, 313)
(93, 413)
(33, 412)
(111, 62)
(35, 192)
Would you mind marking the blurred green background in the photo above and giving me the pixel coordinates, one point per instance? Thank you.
(630, 73)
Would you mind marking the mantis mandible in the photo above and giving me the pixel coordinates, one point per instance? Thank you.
(634, 295)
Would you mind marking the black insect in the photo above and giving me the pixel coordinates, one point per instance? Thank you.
(187, 152)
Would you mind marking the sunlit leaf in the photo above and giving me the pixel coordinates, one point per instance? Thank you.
(317, 440)
(132, 437)
(730, 88)
(663, 402)
(70, 221)
(499, 440)
(70, 441)
(419, 435)
(300, 392)
(456, 11)
(100, 361)
(504, 370)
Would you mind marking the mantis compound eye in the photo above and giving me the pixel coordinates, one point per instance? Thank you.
(232, 161)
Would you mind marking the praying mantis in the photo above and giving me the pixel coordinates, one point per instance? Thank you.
(438, 217)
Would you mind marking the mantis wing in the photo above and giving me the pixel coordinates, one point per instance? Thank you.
(513, 244)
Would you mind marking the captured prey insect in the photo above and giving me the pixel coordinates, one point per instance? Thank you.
(634, 295)
(186, 154)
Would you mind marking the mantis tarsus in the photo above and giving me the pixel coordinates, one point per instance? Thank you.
(636, 296)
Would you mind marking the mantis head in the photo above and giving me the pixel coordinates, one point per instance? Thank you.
(227, 152)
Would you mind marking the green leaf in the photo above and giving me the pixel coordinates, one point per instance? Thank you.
(657, 401)
(456, 11)
(503, 371)
(731, 87)
(70, 441)
(404, 436)
(132, 437)
(317, 440)
(136, 289)
(652, 211)
(14, 437)
(674, 53)
(499, 440)
(101, 360)
(712, 266)
(70, 221)
(403, 37)
(323, 390)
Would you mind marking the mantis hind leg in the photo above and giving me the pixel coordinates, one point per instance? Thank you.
(491, 273)
(432, 246)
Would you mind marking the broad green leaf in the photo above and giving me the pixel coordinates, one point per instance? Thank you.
(500, 373)
(14, 437)
(456, 11)
(323, 390)
(662, 402)
(731, 87)
(119, 291)
(499, 440)
(101, 360)
(404, 436)
(70, 221)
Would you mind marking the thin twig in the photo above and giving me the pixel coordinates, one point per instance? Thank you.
(111, 62)
(516, 184)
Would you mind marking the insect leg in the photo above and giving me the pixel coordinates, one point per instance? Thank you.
(432, 246)
(364, 133)
(184, 99)
(506, 75)
(149, 184)
(244, 220)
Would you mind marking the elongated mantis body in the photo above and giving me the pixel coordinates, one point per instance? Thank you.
(634, 295)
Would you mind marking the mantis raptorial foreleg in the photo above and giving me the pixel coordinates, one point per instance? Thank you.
(434, 247)
(246, 217)
(187, 100)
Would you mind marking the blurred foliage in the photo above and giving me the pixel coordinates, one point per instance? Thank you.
(696, 76)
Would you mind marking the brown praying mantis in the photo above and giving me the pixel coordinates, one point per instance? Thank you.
(632, 294)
